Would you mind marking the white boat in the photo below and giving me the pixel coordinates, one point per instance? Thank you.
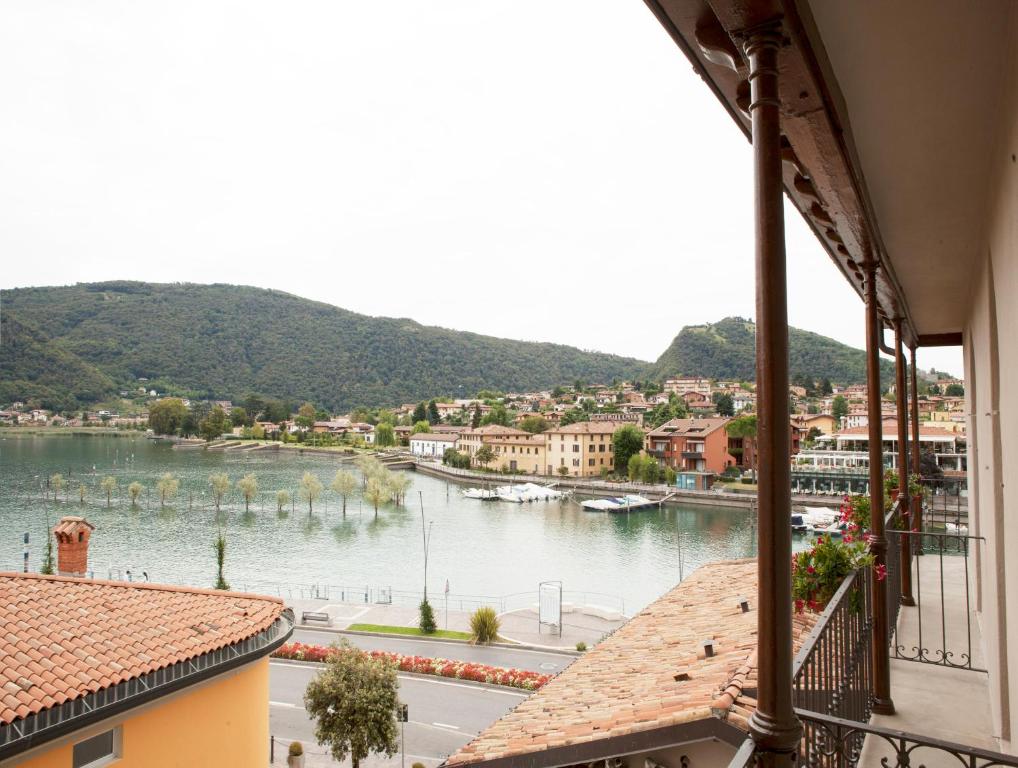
(618, 504)
(480, 493)
(517, 494)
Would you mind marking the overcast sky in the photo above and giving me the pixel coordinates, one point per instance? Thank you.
(541, 170)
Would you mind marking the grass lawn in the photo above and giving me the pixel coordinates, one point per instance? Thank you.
(445, 634)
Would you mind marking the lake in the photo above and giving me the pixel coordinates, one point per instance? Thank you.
(481, 548)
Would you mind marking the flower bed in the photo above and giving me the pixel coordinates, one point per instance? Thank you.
(424, 665)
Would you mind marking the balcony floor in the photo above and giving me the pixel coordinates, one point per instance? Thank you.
(931, 699)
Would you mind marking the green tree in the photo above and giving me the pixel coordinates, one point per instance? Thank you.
(166, 416)
(572, 416)
(134, 490)
(433, 416)
(310, 489)
(497, 415)
(253, 405)
(484, 456)
(954, 390)
(426, 618)
(239, 417)
(634, 467)
(423, 426)
(57, 483)
(475, 420)
(398, 484)
(626, 441)
(109, 485)
(167, 486)
(282, 499)
(839, 408)
(213, 425)
(375, 492)
(558, 392)
(248, 487)
(385, 435)
(724, 404)
(305, 416)
(420, 413)
(276, 411)
(743, 428)
(534, 424)
(650, 472)
(220, 484)
(353, 702)
(344, 483)
(219, 547)
(825, 387)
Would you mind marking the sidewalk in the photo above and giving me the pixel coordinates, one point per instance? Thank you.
(582, 624)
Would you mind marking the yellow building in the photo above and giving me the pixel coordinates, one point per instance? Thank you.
(515, 453)
(495, 436)
(583, 448)
(134, 675)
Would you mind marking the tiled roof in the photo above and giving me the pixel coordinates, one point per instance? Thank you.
(652, 673)
(495, 429)
(63, 638)
(439, 437)
(585, 428)
(697, 427)
(889, 427)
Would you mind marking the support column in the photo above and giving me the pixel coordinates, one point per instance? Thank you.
(882, 703)
(904, 501)
(917, 514)
(773, 726)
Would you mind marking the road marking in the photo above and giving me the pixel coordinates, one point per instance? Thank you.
(446, 725)
(285, 704)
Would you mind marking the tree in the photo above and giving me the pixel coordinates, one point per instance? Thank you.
(239, 417)
(433, 415)
(219, 547)
(422, 426)
(558, 392)
(954, 390)
(426, 618)
(282, 499)
(420, 413)
(534, 424)
(825, 387)
(134, 491)
(310, 489)
(497, 415)
(724, 404)
(253, 405)
(305, 416)
(82, 492)
(563, 470)
(385, 435)
(57, 483)
(220, 484)
(344, 483)
(839, 408)
(375, 493)
(109, 485)
(213, 425)
(398, 484)
(744, 428)
(634, 467)
(572, 416)
(484, 456)
(276, 411)
(353, 702)
(248, 487)
(166, 416)
(475, 420)
(167, 486)
(626, 441)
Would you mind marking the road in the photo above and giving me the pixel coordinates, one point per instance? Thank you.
(444, 714)
(520, 658)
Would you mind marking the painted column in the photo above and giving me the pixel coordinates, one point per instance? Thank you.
(904, 502)
(882, 703)
(773, 726)
(917, 514)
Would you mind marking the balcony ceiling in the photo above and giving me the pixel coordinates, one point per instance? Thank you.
(920, 83)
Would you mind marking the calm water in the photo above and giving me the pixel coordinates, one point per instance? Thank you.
(482, 548)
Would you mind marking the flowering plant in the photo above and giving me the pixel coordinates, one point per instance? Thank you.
(424, 665)
(818, 571)
(855, 512)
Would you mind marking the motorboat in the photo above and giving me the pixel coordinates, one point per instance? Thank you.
(483, 494)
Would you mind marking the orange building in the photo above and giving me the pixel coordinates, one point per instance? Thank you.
(137, 675)
(691, 445)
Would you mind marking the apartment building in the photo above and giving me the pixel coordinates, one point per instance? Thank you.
(584, 448)
(691, 445)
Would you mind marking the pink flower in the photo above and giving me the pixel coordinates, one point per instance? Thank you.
(881, 571)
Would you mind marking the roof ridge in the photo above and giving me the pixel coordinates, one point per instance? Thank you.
(143, 585)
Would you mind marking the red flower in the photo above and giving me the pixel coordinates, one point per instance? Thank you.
(810, 569)
(881, 571)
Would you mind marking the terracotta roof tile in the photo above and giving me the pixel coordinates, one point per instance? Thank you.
(651, 673)
(77, 636)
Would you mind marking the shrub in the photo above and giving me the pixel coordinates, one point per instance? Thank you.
(417, 765)
(296, 749)
(581, 646)
(484, 625)
(427, 618)
(818, 572)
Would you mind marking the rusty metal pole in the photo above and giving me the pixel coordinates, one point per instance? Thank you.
(773, 726)
(904, 501)
(882, 703)
(917, 509)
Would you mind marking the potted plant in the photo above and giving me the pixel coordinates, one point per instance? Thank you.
(891, 482)
(817, 572)
(295, 756)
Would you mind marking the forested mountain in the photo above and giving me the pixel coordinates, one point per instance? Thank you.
(727, 350)
(74, 344)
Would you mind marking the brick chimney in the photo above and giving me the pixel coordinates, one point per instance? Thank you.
(72, 545)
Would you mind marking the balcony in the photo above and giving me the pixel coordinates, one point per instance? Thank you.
(694, 455)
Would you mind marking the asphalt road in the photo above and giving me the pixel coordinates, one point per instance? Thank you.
(520, 658)
(443, 714)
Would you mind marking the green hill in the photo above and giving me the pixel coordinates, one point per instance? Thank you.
(727, 350)
(75, 344)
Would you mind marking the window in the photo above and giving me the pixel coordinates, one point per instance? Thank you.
(600, 448)
(590, 462)
(101, 749)
(576, 447)
(576, 462)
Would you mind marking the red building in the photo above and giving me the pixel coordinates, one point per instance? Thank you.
(691, 445)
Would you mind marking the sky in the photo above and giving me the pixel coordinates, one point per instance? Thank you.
(522, 169)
